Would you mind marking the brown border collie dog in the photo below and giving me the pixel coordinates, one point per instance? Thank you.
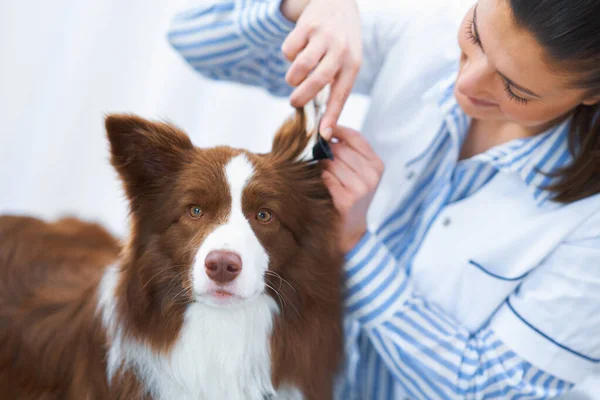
(228, 286)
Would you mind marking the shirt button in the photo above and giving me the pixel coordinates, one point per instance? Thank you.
(447, 221)
(410, 175)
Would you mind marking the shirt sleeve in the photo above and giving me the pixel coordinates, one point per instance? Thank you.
(234, 40)
(426, 351)
(240, 40)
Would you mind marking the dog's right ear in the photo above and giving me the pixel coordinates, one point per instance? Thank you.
(145, 154)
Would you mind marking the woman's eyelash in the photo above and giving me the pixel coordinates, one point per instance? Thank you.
(471, 35)
(512, 96)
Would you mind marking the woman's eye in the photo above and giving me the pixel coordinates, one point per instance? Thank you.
(195, 212)
(264, 216)
(512, 96)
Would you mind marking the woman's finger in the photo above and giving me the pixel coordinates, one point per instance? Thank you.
(364, 169)
(355, 140)
(306, 61)
(340, 91)
(350, 180)
(324, 74)
(335, 187)
(353, 159)
(341, 171)
(295, 42)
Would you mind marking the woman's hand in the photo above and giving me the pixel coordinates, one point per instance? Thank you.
(352, 178)
(325, 47)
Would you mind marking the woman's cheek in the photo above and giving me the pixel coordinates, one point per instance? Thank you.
(515, 112)
(509, 111)
(526, 115)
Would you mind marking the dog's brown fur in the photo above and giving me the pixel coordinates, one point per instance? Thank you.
(52, 343)
(53, 340)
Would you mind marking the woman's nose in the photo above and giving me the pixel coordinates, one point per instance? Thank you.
(476, 77)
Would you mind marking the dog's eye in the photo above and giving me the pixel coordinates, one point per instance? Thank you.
(195, 212)
(264, 216)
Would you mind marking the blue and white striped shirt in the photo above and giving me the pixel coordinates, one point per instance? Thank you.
(400, 337)
(398, 343)
(220, 42)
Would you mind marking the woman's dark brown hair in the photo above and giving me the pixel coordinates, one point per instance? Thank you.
(569, 32)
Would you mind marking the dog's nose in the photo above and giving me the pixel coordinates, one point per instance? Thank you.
(222, 266)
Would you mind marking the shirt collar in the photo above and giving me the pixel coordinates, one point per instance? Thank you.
(535, 159)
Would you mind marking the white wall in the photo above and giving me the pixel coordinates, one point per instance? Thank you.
(67, 63)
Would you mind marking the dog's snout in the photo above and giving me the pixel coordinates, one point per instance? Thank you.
(222, 266)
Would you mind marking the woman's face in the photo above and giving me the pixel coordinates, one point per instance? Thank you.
(503, 73)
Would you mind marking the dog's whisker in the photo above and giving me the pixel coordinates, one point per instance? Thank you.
(291, 304)
(174, 300)
(281, 278)
(162, 270)
(184, 291)
(172, 286)
(281, 300)
(283, 296)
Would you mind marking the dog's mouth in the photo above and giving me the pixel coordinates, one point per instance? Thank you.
(223, 298)
(223, 294)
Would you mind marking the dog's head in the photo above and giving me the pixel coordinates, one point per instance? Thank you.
(220, 226)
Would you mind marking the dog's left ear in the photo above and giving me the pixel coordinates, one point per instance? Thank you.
(145, 154)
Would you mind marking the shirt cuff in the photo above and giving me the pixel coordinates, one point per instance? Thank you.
(376, 286)
(261, 23)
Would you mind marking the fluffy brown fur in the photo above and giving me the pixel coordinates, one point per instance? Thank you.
(53, 341)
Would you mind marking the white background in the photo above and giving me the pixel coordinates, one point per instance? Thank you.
(67, 63)
(64, 64)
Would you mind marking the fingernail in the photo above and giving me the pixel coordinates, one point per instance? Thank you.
(326, 133)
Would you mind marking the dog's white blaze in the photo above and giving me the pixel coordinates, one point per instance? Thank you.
(235, 235)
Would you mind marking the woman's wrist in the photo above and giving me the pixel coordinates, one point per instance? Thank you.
(350, 240)
(292, 9)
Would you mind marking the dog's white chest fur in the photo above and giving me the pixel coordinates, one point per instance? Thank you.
(221, 353)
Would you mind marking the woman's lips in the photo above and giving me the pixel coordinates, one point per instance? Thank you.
(482, 103)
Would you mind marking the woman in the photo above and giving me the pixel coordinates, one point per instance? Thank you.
(478, 275)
